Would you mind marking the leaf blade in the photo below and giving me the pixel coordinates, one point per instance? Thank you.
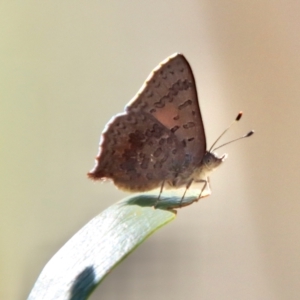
(85, 260)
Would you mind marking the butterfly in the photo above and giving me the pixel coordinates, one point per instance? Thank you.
(159, 140)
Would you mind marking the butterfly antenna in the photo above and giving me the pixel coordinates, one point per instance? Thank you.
(242, 137)
(236, 120)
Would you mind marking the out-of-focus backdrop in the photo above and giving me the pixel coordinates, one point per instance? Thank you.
(66, 67)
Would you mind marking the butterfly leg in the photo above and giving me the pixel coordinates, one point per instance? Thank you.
(186, 188)
(158, 198)
(205, 186)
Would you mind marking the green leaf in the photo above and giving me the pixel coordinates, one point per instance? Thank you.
(84, 261)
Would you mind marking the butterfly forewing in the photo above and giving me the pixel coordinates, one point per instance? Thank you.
(170, 95)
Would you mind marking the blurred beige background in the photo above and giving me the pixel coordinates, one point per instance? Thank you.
(67, 67)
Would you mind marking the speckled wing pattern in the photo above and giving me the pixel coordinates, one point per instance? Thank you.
(160, 136)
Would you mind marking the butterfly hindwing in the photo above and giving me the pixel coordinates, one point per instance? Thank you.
(138, 153)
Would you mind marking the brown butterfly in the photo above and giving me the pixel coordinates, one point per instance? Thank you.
(159, 141)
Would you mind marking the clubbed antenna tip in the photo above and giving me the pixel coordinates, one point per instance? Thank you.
(249, 133)
(239, 116)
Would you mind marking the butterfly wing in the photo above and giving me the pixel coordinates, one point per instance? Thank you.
(138, 153)
(160, 137)
(170, 96)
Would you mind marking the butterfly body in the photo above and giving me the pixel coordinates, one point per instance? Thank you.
(159, 140)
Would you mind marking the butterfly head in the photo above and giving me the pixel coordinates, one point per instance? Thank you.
(211, 161)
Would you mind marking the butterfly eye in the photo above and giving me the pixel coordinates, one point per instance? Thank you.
(208, 161)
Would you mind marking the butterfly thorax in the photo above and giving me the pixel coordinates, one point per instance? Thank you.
(197, 173)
